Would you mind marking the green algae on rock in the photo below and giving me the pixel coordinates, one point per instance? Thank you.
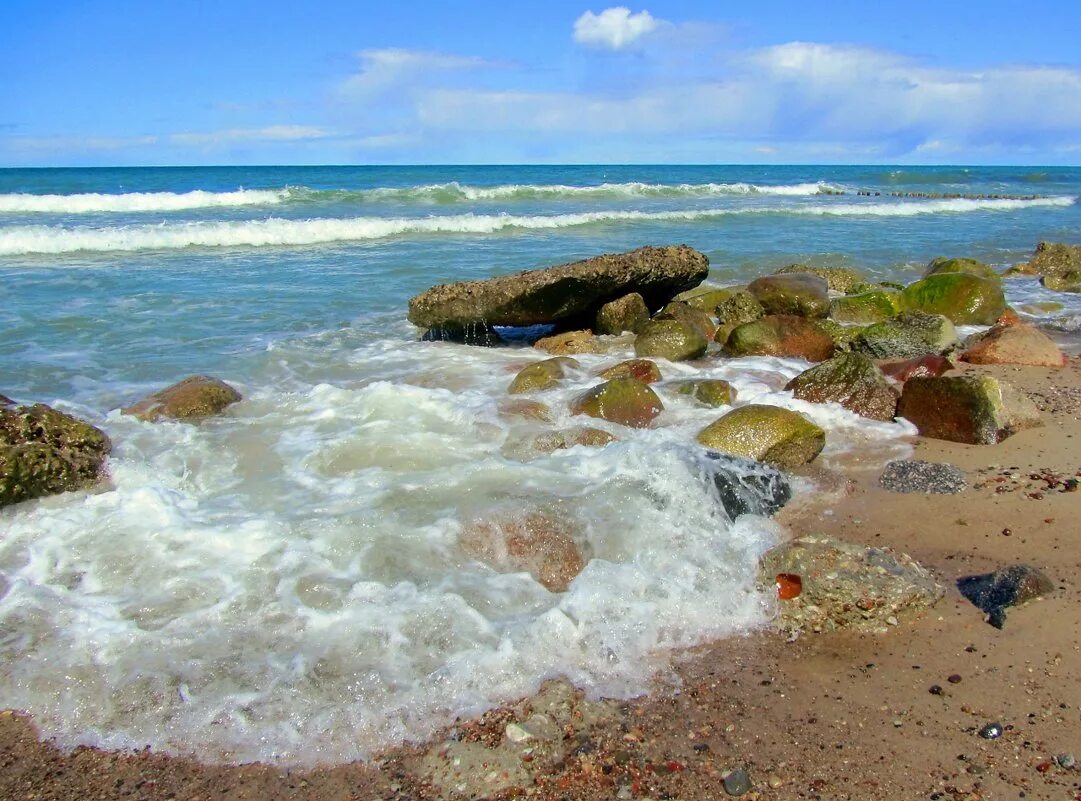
(907, 336)
(851, 380)
(768, 434)
(542, 375)
(866, 308)
(705, 298)
(1064, 282)
(1052, 259)
(838, 279)
(194, 398)
(974, 267)
(628, 313)
(781, 335)
(674, 340)
(965, 299)
(801, 294)
(978, 410)
(626, 401)
(709, 391)
(689, 315)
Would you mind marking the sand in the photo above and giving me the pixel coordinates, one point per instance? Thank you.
(833, 716)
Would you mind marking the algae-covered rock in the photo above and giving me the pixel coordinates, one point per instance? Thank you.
(851, 380)
(643, 369)
(542, 375)
(674, 340)
(977, 410)
(1064, 282)
(907, 336)
(194, 398)
(823, 584)
(767, 434)
(709, 391)
(968, 266)
(838, 279)
(691, 316)
(622, 400)
(965, 299)
(1052, 258)
(1013, 344)
(45, 452)
(570, 342)
(742, 307)
(867, 307)
(801, 294)
(628, 313)
(705, 298)
(781, 335)
(842, 335)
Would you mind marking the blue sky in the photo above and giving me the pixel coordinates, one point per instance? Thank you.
(282, 82)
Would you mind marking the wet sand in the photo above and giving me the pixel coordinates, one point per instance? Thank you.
(832, 716)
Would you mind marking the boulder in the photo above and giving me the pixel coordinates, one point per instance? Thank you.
(977, 410)
(194, 398)
(1009, 586)
(1066, 282)
(705, 298)
(744, 486)
(930, 366)
(1052, 258)
(867, 307)
(801, 294)
(44, 452)
(851, 380)
(842, 335)
(622, 400)
(781, 335)
(907, 336)
(825, 584)
(691, 316)
(628, 313)
(963, 298)
(643, 369)
(510, 408)
(838, 279)
(968, 266)
(558, 293)
(538, 543)
(674, 340)
(742, 307)
(1013, 344)
(542, 375)
(570, 342)
(766, 434)
(709, 391)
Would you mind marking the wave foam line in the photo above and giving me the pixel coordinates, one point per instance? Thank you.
(42, 239)
(21, 203)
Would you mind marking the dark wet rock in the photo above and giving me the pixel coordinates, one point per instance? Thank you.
(744, 486)
(765, 433)
(709, 391)
(1010, 586)
(990, 731)
(622, 400)
(781, 335)
(1013, 344)
(558, 293)
(474, 334)
(963, 298)
(801, 294)
(542, 375)
(537, 542)
(570, 342)
(5, 401)
(674, 340)
(866, 308)
(45, 452)
(737, 782)
(628, 313)
(1052, 259)
(968, 266)
(978, 410)
(838, 279)
(690, 316)
(915, 475)
(930, 366)
(192, 399)
(851, 380)
(844, 586)
(642, 369)
(909, 335)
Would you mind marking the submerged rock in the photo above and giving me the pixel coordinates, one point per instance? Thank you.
(542, 375)
(915, 475)
(674, 340)
(1052, 259)
(628, 313)
(766, 434)
(781, 335)
(642, 369)
(1014, 344)
(907, 336)
(826, 584)
(968, 266)
(570, 342)
(1067, 282)
(744, 486)
(977, 410)
(710, 391)
(838, 279)
(963, 298)
(801, 294)
(526, 409)
(588, 437)
(194, 398)
(626, 401)
(851, 380)
(558, 293)
(46, 452)
(1009, 586)
(537, 542)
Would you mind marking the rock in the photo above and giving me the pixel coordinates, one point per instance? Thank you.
(527, 409)
(766, 434)
(908, 335)
(801, 294)
(744, 486)
(705, 298)
(990, 731)
(838, 279)
(621, 400)
(542, 375)
(914, 475)
(964, 299)
(45, 452)
(1009, 586)
(1013, 344)
(5, 401)
(977, 410)
(1067, 282)
(737, 782)
(781, 335)
(842, 335)
(558, 293)
(974, 267)
(867, 307)
(570, 342)
(686, 314)
(194, 398)
(674, 340)
(845, 586)
(586, 436)
(710, 391)
(536, 542)
(1052, 258)
(628, 313)
(473, 334)
(742, 307)
(851, 380)
(642, 369)
(929, 366)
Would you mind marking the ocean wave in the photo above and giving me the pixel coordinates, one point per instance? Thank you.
(91, 202)
(44, 239)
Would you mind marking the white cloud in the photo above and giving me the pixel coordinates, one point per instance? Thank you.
(614, 28)
(385, 69)
(271, 133)
(79, 143)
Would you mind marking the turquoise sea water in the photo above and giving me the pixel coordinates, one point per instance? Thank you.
(288, 582)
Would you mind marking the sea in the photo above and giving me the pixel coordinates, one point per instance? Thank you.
(286, 583)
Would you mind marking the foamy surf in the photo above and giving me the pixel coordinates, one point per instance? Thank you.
(95, 202)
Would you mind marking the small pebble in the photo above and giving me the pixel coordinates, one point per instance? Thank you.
(992, 731)
(775, 781)
(936, 689)
(954, 678)
(1066, 761)
(915, 475)
(737, 782)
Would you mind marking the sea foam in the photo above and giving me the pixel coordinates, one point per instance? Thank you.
(95, 202)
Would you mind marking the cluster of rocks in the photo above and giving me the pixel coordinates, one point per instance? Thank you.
(1057, 264)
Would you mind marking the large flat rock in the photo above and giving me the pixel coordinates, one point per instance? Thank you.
(557, 293)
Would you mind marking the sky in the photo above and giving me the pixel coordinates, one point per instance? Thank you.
(126, 82)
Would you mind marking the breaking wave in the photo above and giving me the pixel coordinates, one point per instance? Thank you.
(21, 203)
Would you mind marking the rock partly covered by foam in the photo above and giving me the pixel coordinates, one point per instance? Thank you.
(626, 401)
(194, 398)
(969, 266)
(675, 340)
(1013, 344)
(766, 434)
(909, 335)
(542, 375)
(965, 299)
(851, 380)
(537, 542)
(838, 279)
(642, 369)
(628, 313)
(708, 391)
(781, 335)
(825, 584)
(570, 342)
(45, 452)
(745, 486)
(802, 294)
(1052, 258)
(558, 293)
(978, 410)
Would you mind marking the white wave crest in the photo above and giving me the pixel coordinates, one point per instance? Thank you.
(88, 203)
(43, 239)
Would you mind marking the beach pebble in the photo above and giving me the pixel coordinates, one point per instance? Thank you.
(737, 782)
(915, 475)
(992, 731)
(1067, 761)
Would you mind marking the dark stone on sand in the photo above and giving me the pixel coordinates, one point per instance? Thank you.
(991, 731)
(915, 475)
(977, 410)
(737, 782)
(1009, 586)
(744, 486)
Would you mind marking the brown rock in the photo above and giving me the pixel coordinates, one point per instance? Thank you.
(1014, 344)
(628, 313)
(569, 343)
(930, 366)
(642, 369)
(527, 409)
(689, 315)
(801, 294)
(977, 410)
(194, 398)
(621, 400)
(542, 375)
(851, 380)
(537, 542)
(781, 335)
